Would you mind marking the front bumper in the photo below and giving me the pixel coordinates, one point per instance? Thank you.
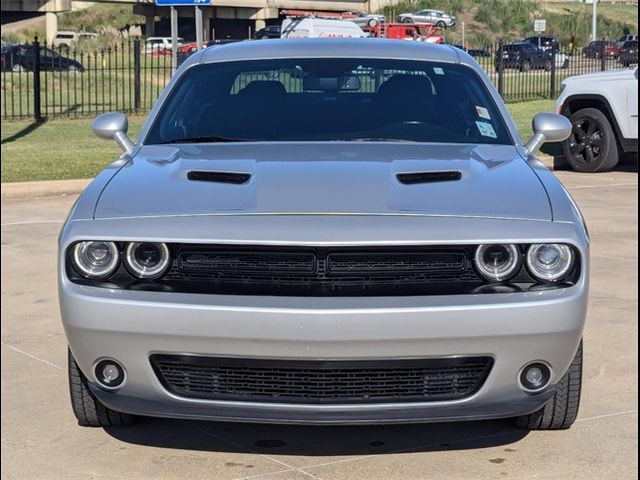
(514, 329)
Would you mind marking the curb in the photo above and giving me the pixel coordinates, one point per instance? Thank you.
(51, 188)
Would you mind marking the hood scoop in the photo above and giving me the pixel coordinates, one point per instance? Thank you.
(415, 178)
(219, 177)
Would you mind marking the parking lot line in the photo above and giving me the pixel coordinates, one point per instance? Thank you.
(15, 349)
(29, 222)
(608, 185)
(607, 415)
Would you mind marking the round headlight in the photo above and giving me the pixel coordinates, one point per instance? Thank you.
(95, 259)
(146, 259)
(549, 262)
(497, 263)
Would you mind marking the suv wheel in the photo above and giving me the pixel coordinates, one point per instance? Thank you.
(89, 411)
(592, 145)
(561, 411)
(18, 68)
(525, 67)
(547, 66)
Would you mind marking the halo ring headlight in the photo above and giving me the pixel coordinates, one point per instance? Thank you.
(147, 259)
(498, 262)
(550, 262)
(95, 259)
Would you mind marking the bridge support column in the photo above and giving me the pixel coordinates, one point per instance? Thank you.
(150, 26)
(51, 26)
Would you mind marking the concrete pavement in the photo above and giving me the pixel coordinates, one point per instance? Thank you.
(40, 439)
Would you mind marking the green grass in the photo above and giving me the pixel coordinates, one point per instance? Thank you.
(490, 20)
(56, 150)
(65, 149)
(522, 114)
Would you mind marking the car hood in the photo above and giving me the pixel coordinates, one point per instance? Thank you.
(326, 178)
(619, 74)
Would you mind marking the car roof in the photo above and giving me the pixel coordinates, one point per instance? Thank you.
(332, 48)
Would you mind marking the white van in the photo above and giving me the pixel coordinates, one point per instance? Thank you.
(157, 44)
(310, 27)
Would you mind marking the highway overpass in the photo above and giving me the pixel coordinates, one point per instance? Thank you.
(228, 18)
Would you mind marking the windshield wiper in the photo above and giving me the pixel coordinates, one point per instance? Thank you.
(203, 139)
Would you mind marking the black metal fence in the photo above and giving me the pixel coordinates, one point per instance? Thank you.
(42, 82)
(39, 81)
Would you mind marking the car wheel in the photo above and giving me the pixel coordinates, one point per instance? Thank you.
(407, 20)
(547, 65)
(73, 68)
(89, 411)
(525, 67)
(592, 145)
(565, 64)
(561, 411)
(441, 24)
(18, 68)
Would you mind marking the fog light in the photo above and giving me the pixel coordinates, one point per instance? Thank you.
(109, 374)
(535, 376)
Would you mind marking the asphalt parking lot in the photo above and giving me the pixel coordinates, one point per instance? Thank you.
(40, 438)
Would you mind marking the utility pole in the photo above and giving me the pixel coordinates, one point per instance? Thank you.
(594, 21)
(174, 39)
(199, 32)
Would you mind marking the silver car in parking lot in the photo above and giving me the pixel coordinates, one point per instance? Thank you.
(288, 240)
(434, 17)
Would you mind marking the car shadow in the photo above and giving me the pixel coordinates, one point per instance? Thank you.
(321, 441)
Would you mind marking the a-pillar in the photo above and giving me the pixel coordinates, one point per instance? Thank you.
(51, 26)
(150, 26)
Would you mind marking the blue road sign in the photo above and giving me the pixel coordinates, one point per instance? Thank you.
(182, 3)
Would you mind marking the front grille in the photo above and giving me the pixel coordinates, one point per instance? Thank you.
(323, 382)
(322, 272)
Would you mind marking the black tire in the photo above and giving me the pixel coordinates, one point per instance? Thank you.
(407, 20)
(89, 411)
(525, 66)
(548, 65)
(561, 411)
(592, 145)
(18, 68)
(441, 24)
(565, 64)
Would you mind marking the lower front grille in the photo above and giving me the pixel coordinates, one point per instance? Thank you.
(323, 382)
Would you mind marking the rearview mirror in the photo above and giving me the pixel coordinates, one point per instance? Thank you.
(331, 84)
(113, 126)
(548, 128)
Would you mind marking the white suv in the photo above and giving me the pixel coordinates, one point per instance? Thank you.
(603, 108)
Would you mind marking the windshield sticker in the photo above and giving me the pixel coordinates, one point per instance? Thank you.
(486, 130)
(483, 112)
(438, 71)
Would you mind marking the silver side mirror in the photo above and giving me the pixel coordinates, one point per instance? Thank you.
(113, 126)
(548, 128)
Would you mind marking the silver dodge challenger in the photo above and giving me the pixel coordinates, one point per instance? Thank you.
(326, 231)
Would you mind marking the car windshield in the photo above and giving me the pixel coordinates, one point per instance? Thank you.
(329, 100)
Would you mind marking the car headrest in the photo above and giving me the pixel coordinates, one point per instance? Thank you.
(406, 86)
(263, 91)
